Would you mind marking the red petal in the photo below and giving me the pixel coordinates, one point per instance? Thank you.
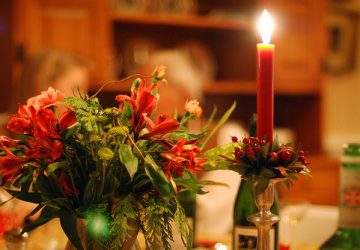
(163, 128)
(67, 119)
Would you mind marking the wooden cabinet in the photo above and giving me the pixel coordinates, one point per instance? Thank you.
(101, 33)
(76, 26)
(6, 51)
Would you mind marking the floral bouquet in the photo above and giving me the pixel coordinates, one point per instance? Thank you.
(117, 168)
(258, 160)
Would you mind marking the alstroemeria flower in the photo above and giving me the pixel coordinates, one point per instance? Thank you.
(67, 119)
(10, 165)
(21, 123)
(46, 98)
(182, 155)
(142, 101)
(163, 127)
(8, 142)
(44, 147)
(47, 122)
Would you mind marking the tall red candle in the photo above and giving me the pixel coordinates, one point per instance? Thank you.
(265, 81)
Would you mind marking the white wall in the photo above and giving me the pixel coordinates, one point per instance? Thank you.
(341, 106)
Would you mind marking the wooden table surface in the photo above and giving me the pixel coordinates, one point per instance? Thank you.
(47, 237)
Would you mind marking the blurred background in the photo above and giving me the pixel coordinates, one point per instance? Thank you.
(211, 46)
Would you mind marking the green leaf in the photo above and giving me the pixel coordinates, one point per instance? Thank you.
(48, 186)
(211, 119)
(293, 177)
(28, 196)
(52, 167)
(190, 182)
(253, 125)
(240, 167)
(47, 214)
(215, 161)
(62, 203)
(265, 151)
(68, 224)
(111, 182)
(276, 144)
(184, 133)
(35, 210)
(25, 180)
(126, 114)
(183, 226)
(71, 131)
(222, 120)
(287, 183)
(90, 190)
(225, 150)
(157, 176)
(128, 158)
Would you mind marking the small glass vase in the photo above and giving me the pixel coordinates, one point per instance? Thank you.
(264, 219)
(90, 244)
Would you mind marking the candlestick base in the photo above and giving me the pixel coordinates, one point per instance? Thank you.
(264, 219)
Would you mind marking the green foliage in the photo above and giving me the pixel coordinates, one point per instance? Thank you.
(128, 158)
(125, 209)
(183, 226)
(68, 224)
(157, 176)
(221, 122)
(157, 225)
(47, 214)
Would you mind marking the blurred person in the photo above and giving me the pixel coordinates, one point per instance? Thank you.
(60, 70)
(214, 211)
(184, 81)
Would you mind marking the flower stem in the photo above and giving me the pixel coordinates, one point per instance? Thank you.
(119, 81)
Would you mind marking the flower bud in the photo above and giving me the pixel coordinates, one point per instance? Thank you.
(159, 72)
(193, 107)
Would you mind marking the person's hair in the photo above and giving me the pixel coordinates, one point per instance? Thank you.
(40, 71)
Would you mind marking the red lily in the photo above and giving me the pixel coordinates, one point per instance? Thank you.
(143, 103)
(163, 127)
(182, 155)
(10, 165)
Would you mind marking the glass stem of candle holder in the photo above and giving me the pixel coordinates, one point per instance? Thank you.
(264, 219)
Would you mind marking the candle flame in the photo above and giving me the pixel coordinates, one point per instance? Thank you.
(266, 26)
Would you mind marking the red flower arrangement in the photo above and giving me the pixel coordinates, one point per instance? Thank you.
(258, 160)
(115, 163)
